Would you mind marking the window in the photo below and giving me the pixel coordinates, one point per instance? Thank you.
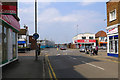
(83, 37)
(90, 37)
(111, 46)
(4, 44)
(0, 44)
(112, 15)
(102, 38)
(14, 44)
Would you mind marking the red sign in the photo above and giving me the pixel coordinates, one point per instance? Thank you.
(9, 19)
(8, 9)
(86, 41)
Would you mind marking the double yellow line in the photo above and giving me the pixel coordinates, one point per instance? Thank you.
(50, 69)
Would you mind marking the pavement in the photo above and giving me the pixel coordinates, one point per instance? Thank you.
(25, 68)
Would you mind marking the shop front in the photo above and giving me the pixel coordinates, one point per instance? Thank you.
(86, 42)
(9, 28)
(112, 37)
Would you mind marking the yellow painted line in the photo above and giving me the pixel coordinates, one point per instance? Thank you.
(51, 68)
(50, 74)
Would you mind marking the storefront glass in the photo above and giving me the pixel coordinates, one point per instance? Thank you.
(14, 44)
(0, 44)
(113, 44)
(4, 43)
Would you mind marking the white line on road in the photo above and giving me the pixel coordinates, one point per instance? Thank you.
(93, 65)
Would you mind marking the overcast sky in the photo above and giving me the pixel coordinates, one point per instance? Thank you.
(57, 21)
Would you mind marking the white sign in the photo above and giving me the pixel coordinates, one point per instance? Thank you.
(113, 30)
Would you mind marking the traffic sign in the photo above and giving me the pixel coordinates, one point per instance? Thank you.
(35, 35)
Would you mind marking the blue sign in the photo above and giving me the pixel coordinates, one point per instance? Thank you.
(21, 42)
(35, 36)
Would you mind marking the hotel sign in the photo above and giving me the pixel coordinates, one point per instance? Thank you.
(7, 9)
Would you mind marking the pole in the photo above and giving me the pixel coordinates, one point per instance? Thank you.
(77, 36)
(36, 54)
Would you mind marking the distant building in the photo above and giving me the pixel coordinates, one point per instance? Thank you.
(9, 28)
(113, 22)
(101, 38)
(84, 39)
(23, 37)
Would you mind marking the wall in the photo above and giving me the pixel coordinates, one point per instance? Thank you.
(111, 6)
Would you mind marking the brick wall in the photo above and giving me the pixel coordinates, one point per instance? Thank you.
(110, 7)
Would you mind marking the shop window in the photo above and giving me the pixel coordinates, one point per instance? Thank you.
(111, 46)
(112, 15)
(116, 37)
(0, 44)
(14, 44)
(4, 44)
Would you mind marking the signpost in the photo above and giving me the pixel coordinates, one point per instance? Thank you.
(35, 35)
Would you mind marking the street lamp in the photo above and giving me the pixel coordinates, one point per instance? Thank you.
(77, 35)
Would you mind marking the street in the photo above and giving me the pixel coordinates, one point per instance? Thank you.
(61, 64)
(73, 64)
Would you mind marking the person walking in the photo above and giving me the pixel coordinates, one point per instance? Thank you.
(91, 51)
(96, 50)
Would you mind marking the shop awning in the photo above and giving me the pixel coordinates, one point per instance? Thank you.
(21, 42)
(11, 21)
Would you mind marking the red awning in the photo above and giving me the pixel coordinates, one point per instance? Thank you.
(9, 19)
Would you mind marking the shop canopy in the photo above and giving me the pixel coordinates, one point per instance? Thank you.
(11, 21)
(21, 42)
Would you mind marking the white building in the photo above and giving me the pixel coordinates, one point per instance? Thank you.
(23, 37)
(85, 39)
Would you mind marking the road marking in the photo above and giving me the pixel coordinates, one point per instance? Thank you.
(93, 65)
(74, 58)
(51, 69)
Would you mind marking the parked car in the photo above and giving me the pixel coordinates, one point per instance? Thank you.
(82, 49)
(62, 48)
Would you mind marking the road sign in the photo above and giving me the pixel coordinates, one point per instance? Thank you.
(35, 35)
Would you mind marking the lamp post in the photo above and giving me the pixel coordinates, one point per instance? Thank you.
(77, 35)
(36, 54)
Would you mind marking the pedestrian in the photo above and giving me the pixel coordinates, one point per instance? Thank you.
(91, 51)
(96, 50)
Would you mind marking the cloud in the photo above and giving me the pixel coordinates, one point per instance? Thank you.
(52, 24)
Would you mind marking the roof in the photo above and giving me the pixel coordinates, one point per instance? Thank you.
(22, 32)
(101, 34)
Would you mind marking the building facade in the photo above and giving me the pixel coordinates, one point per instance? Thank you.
(85, 39)
(113, 22)
(9, 28)
(23, 37)
(101, 38)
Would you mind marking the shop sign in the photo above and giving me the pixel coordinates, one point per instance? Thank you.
(113, 30)
(86, 41)
(8, 9)
(9, 19)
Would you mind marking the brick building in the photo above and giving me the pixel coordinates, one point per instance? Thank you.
(113, 22)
